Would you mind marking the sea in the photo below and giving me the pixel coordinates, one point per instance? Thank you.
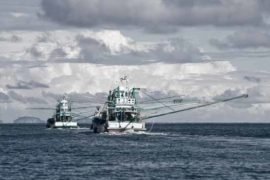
(165, 151)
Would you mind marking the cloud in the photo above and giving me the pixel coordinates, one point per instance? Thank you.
(4, 98)
(90, 83)
(18, 14)
(94, 78)
(252, 79)
(12, 38)
(176, 51)
(27, 85)
(78, 98)
(92, 50)
(264, 5)
(81, 78)
(171, 51)
(106, 47)
(23, 99)
(153, 13)
(53, 96)
(244, 39)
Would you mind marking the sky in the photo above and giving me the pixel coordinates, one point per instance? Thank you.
(191, 48)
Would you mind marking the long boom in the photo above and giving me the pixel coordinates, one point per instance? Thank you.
(196, 107)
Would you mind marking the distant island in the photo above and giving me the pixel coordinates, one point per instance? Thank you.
(28, 120)
(1, 121)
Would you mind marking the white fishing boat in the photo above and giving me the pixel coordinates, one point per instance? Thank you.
(63, 116)
(120, 112)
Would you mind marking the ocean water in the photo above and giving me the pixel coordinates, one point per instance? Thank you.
(169, 151)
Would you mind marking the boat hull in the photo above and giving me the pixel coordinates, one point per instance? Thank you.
(65, 125)
(125, 126)
(114, 126)
(62, 124)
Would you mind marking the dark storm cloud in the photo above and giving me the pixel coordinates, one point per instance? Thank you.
(244, 39)
(23, 99)
(27, 85)
(153, 14)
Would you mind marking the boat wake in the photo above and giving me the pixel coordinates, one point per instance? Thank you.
(69, 128)
(136, 133)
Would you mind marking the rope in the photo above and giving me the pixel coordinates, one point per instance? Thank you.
(152, 125)
(158, 101)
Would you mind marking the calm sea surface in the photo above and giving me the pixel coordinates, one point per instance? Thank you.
(169, 151)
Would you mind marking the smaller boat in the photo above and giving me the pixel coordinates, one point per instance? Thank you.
(63, 116)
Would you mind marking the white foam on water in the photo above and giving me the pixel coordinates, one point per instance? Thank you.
(82, 128)
(151, 133)
(67, 129)
(136, 133)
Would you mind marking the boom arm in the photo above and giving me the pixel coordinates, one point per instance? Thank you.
(196, 107)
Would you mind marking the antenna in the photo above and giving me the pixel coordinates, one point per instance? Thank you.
(125, 79)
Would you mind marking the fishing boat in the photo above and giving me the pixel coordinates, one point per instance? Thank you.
(63, 116)
(120, 112)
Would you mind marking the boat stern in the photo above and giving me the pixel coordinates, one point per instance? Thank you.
(114, 126)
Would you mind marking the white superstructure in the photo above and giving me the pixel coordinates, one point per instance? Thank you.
(63, 116)
(120, 113)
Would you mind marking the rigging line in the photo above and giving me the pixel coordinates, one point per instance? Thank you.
(84, 107)
(84, 118)
(158, 101)
(152, 125)
(174, 105)
(196, 107)
(165, 98)
(84, 112)
(77, 115)
(123, 129)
